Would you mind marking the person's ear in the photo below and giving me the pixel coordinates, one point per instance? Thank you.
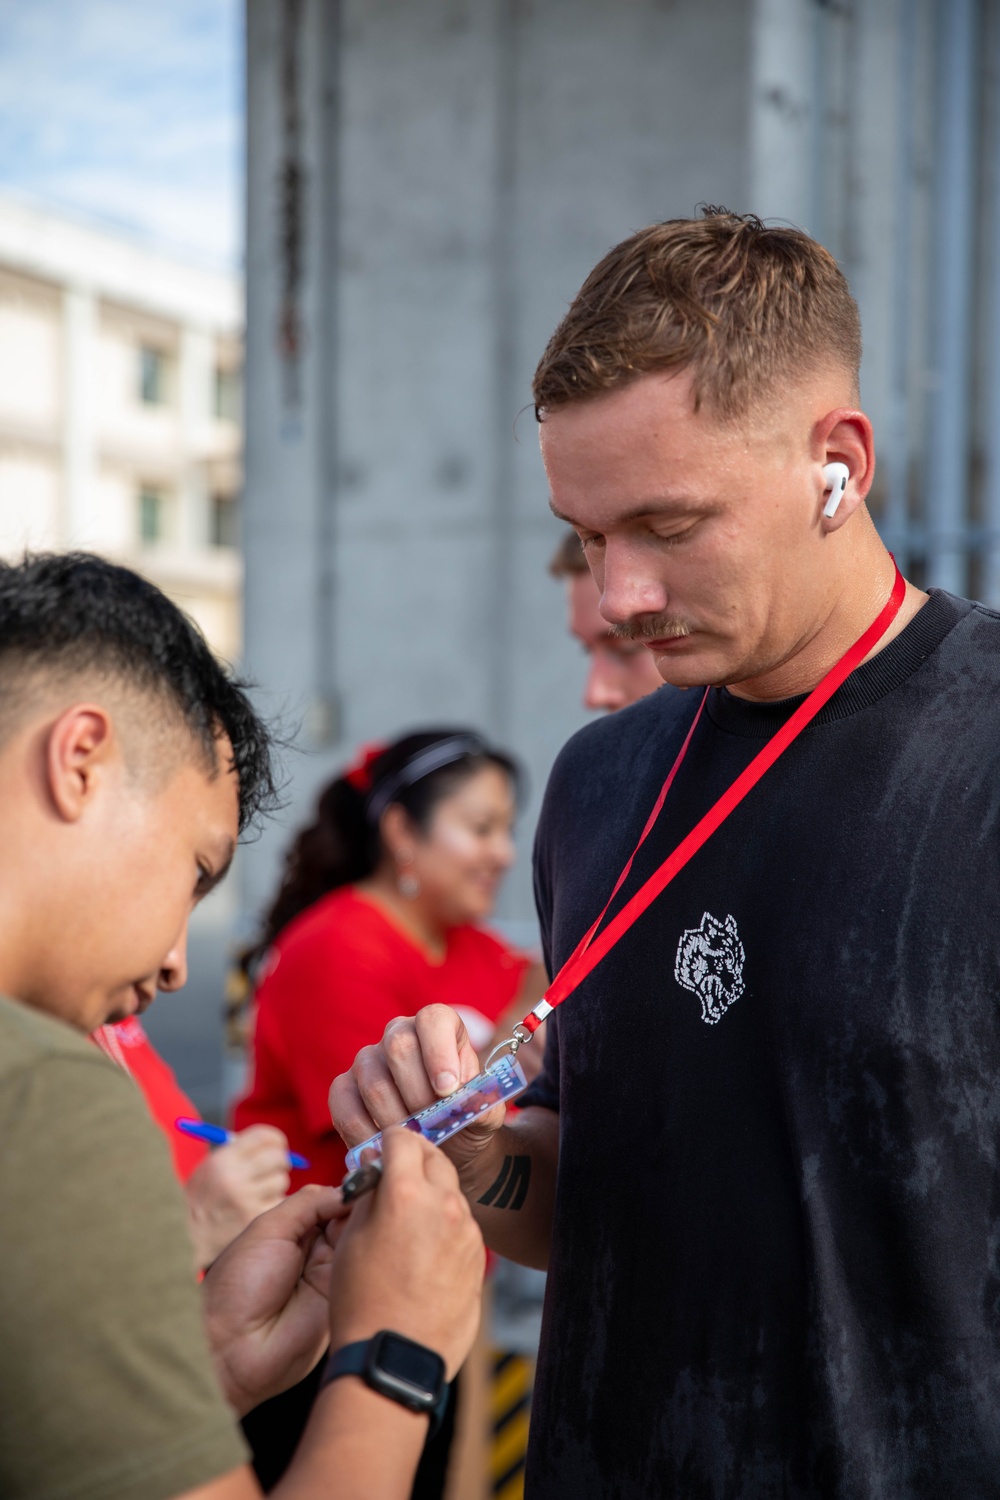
(79, 751)
(397, 832)
(844, 436)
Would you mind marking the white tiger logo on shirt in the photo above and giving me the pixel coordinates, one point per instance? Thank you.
(710, 963)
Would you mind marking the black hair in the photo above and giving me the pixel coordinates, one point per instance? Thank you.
(74, 612)
(343, 845)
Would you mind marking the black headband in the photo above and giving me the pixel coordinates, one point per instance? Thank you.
(433, 758)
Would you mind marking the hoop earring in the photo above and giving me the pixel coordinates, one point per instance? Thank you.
(407, 883)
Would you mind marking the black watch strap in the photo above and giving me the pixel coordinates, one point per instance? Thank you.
(350, 1360)
(376, 1361)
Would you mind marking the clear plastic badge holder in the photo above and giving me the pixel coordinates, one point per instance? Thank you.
(439, 1122)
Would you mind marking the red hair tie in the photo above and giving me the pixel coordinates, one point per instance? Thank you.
(359, 772)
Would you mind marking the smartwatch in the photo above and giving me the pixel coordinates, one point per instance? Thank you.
(398, 1368)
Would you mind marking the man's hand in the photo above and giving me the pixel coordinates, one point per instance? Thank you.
(233, 1185)
(419, 1059)
(411, 1257)
(266, 1298)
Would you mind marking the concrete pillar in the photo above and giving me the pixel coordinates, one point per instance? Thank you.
(428, 186)
(291, 414)
(899, 304)
(951, 291)
(783, 111)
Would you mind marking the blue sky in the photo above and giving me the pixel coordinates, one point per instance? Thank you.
(128, 111)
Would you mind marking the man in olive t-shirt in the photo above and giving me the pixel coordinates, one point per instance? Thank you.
(89, 1317)
(129, 764)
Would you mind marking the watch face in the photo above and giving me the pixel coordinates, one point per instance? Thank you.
(409, 1364)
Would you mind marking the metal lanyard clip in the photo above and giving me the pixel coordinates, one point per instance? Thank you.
(517, 1039)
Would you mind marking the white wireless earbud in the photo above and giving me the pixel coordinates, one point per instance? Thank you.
(835, 477)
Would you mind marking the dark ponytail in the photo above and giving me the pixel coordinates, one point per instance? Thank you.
(343, 845)
(337, 849)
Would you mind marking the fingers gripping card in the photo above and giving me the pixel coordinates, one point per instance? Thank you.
(445, 1118)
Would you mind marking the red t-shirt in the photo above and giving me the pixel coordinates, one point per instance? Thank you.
(332, 981)
(127, 1044)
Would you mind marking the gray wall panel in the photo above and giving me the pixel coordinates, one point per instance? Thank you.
(466, 165)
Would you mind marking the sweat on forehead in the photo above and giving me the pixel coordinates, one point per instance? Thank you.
(75, 617)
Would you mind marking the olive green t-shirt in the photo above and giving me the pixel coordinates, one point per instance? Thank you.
(106, 1386)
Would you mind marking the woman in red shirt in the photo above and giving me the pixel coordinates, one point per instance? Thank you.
(224, 1189)
(379, 915)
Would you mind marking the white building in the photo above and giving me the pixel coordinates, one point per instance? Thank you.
(120, 409)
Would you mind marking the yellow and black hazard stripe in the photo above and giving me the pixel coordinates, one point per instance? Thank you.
(510, 1405)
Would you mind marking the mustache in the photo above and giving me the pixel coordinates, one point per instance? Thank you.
(651, 628)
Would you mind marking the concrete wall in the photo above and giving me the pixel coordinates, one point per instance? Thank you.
(465, 163)
(876, 127)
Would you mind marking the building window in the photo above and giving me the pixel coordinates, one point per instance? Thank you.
(152, 516)
(152, 376)
(224, 528)
(228, 395)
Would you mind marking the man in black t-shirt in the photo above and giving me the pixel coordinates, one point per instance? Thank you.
(761, 1158)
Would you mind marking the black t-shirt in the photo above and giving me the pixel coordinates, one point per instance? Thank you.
(775, 1268)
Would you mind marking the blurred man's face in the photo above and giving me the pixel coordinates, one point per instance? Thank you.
(704, 537)
(113, 876)
(619, 672)
(174, 847)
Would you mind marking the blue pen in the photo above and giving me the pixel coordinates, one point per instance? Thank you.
(216, 1136)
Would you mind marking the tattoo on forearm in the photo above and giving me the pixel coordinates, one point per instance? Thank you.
(511, 1187)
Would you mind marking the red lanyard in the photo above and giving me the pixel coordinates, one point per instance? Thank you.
(591, 948)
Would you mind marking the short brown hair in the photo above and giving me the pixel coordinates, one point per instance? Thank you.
(745, 307)
(568, 559)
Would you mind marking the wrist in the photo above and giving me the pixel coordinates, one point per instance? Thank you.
(395, 1367)
(239, 1399)
(349, 1402)
(479, 1169)
(372, 1445)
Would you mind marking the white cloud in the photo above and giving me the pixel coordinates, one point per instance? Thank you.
(132, 112)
